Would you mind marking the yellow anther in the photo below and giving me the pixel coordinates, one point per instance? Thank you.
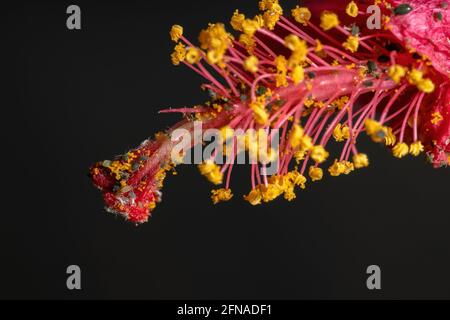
(315, 173)
(270, 192)
(267, 4)
(299, 156)
(206, 167)
(352, 43)
(341, 167)
(211, 171)
(349, 167)
(270, 19)
(193, 55)
(360, 160)
(226, 133)
(400, 150)
(306, 143)
(179, 54)
(249, 27)
(390, 138)
(176, 32)
(416, 148)
(236, 20)
(415, 76)
(295, 136)
(341, 133)
(254, 197)
(251, 64)
(352, 9)
(319, 46)
(296, 178)
(267, 156)
(293, 42)
(301, 15)
(280, 78)
(426, 86)
(337, 168)
(397, 72)
(221, 195)
(328, 20)
(247, 41)
(259, 113)
(319, 154)
(372, 126)
(215, 40)
(308, 103)
(298, 74)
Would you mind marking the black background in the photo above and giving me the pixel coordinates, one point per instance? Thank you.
(77, 97)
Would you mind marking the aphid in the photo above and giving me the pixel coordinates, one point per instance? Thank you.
(313, 76)
(402, 9)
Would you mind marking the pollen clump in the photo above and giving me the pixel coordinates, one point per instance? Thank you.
(436, 118)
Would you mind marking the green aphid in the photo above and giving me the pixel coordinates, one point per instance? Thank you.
(311, 75)
(403, 9)
(381, 134)
(106, 163)
(438, 16)
(371, 66)
(355, 30)
(135, 166)
(368, 83)
(261, 90)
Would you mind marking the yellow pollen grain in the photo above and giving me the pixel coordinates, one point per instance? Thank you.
(436, 118)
